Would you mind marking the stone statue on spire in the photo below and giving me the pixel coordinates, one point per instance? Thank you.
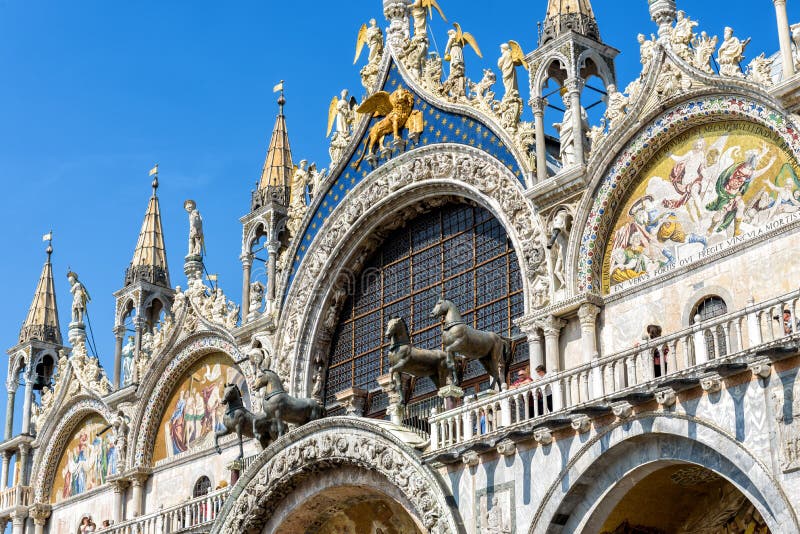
(79, 297)
(196, 238)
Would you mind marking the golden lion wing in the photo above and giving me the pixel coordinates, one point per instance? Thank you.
(431, 5)
(517, 55)
(377, 105)
(469, 39)
(332, 114)
(361, 40)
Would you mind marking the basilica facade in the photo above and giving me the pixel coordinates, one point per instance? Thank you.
(470, 323)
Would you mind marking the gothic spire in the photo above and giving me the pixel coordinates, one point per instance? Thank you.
(149, 262)
(569, 15)
(42, 321)
(278, 168)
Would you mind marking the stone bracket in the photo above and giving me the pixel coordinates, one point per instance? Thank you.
(711, 383)
(470, 458)
(762, 369)
(581, 423)
(666, 397)
(543, 435)
(506, 447)
(622, 409)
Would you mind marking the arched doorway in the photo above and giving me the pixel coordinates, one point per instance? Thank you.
(668, 497)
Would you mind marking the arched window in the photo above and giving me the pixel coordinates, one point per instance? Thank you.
(459, 252)
(708, 308)
(201, 487)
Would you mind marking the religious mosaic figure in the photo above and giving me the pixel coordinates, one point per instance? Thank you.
(731, 54)
(80, 297)
(89, 459)
(196, 238)
(715, 185)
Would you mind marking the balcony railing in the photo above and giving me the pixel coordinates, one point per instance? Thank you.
(686, 354)
(15, 496)
(189, 516)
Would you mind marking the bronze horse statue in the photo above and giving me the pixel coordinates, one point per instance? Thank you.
(406, 358)
(239, 419)
(280, 407)
(492, 350)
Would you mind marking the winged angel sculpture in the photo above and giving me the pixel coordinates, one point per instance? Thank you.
(397, 110)
(511, 57)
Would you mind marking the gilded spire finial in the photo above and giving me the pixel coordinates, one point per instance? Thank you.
(41, 322)
(281, 98)
(278, 167)
(150, 257)
(154, 174)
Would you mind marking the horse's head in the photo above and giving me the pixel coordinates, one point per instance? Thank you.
(396, 327)
(270, 380)
(441, 308)
(231, 394)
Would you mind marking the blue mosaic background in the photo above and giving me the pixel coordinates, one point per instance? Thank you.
(440, 127)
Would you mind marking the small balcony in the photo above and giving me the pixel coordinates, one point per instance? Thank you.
(195, 515)
(13, 497)
(697, 355)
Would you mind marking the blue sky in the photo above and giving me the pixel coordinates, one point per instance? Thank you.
(95, 92)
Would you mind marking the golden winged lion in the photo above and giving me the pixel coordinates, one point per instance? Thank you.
(397, 110)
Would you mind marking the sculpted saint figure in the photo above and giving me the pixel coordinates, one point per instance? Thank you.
(731, 53)
(682, 35)
(79, 297)
(495, 519)
(127, 361)
(616, 108)
(704, 47)
(511, 57)
(567, 133)
(646, 50)
(196, 239)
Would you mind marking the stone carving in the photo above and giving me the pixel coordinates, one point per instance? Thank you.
(581, 423)
(786, 410)
(622, 410)
(297, 203)
(666, 397)
(481, 95)
(256, 297)
(567, 134)
(541, 292)
(196, 238)
(492, 350)
(497, 520)
(511, 57)
(372, 36)
(281, 408)
(405, 358)
(559, 239)
(616, 108)
(454, 87)
(795, 30)
(711, 383)
(120, 423)
(88, 372)
(704, 47)
(320, 366)
(647, 51)
(80, 297)
(731, 54)
(759, 71)
(681, 36)
(316, 453)
(670, 81)
(543, 435)
(342, 114)
(432, 74)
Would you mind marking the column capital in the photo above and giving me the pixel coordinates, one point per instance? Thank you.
(587, 313)
(247, 259)
(40, 512)
(779, 2)
(18, 515)
(119, 483)
(119, 331)
(352, 400)
(138, 476)
(552, 325)
(538, 104)
(574, 85)
(12, 385)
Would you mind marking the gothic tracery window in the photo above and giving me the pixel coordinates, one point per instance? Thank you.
(459, 252)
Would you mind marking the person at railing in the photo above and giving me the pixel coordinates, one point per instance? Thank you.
(653, 331)
(106, 523)
(541, 372)
(787, 322)
(482, 421)
(523, 377)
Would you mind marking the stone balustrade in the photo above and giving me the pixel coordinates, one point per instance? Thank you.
(187, 516)
(729, 342)
(14, 496)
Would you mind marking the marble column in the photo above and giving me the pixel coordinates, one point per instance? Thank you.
(24, 453)
(12, 393)
(552, 326)
(119, 337)
(119, 485)
(272, 262)
(138, 324)
(4, 470)
(40, 513)
(538, 105)
(574, 86)
(663, 13)
(787, 61)
(138, 482)
(247, 265)
(587, 314)
(26, 407)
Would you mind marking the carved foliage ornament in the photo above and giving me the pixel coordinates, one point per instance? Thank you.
(463, 165)
(326, 450)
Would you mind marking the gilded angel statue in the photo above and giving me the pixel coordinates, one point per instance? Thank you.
(511, 57)
(454, 51)
(420, 10)
(342, 112)
(372, 37)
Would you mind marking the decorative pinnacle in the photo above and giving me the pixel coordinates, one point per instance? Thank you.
(154, 173)
(281, 99)
(49, 238)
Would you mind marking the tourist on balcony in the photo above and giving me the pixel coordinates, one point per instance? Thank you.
(482, 421)
(541, 372)
(787, 322)
(523, 377)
